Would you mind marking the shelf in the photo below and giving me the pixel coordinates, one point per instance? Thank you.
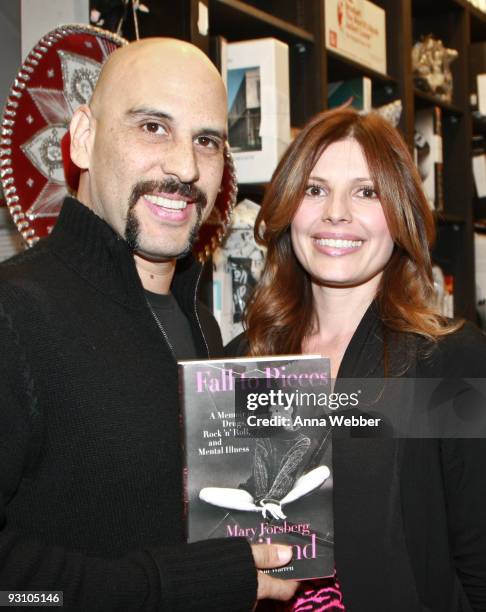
(236, 20)
(252, 191)
(444, 218)
(478, 24)
(423, 99)
(480, 226)
(479, 124)
(341, 68)
(424, 8)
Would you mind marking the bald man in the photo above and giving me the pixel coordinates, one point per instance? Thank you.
(92, 320)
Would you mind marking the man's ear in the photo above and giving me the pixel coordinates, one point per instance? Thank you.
(81, 130)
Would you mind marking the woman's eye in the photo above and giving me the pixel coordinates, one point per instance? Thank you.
(314, 191)
(368, 193)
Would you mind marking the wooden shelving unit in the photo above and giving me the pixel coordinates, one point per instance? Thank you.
(300, 23)
(232, 18)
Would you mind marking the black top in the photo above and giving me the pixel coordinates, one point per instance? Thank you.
(91, 466)
(173, 324)
(410, 514)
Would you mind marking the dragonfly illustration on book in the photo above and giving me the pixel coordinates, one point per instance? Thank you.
(284, 470)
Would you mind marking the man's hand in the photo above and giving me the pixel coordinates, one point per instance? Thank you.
(268, 556)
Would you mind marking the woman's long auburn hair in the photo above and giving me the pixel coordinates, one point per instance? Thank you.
(280, 313)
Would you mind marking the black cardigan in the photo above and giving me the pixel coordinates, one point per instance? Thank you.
(410, 514)
(91, 487)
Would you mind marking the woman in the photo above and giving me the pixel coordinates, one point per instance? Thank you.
(348, 275)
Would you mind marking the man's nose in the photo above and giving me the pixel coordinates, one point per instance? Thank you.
(179, 161)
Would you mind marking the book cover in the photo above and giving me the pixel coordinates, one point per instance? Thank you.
(357, 30)
(258, 455)
(258, 106)
(356, 92)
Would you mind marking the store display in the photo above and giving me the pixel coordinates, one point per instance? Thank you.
(258, 106)
(237, 266)
(431, 67)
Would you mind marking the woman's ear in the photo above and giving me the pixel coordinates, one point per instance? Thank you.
(81, 130)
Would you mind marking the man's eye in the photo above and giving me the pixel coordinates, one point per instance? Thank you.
(315, 191)
(153, 128)
(207, 142)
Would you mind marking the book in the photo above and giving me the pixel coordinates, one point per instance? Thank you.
(357, 30)
(479, 173)
(356, 92)
(429, 154)
(258, 455)
(258, 106)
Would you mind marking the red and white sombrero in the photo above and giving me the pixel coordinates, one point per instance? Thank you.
(36, 171)
(58, 75)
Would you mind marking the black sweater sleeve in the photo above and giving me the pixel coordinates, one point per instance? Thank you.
(463, 354)
(464, 467)
(201, 576)
(217, 574)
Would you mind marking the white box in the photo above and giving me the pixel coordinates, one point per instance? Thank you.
(479, 173)
(481, 89)
(357, 29)
(258, 106)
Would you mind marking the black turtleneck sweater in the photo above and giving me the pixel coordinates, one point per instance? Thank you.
(91, 488)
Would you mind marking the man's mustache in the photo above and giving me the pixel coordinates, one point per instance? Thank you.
(169, 186)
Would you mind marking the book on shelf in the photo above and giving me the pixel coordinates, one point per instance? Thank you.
(258, 455)
(478, 147)
(357, 30)
(479, 173)
(355, 92)
(258, 106)
(477, 77)
(444, 291)
(448, 303)
(429, 154)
